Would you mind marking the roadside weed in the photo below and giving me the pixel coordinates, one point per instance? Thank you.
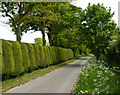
(97, 78)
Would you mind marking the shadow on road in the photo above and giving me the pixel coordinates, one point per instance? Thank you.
(74, 66)
(85, 58)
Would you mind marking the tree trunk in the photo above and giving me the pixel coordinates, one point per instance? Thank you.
(97, 55)
(44, 42)
(50, 38)
(18, 34)
(43, 34)
(56, 41)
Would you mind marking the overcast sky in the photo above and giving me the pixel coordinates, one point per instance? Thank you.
(6, 32)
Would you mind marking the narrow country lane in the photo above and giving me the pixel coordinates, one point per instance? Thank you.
(62, 80)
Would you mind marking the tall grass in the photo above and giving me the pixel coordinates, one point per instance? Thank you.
(96, 77)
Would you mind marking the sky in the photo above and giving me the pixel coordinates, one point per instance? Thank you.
(6, 32)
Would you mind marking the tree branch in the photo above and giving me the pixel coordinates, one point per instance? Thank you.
(6, 13)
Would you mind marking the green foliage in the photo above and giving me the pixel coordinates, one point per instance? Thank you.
(25, 57)
(42, 15)
(2, 65)
(84, 50)
(17, 12)
(9, 67)
(1, 58)
(112, 53)
(50, 55)
(42, 56)
(39, 41)
(0, 53)
(31, 56)
(77, 54)
(98, 78)
(18, 60)
(53, 54)
(37, 55)
(97, 28)
(60, 52)
(46, 62)
(56, 55)
(65, 34)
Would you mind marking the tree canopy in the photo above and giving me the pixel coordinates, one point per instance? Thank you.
(68, 26)
(98, 27)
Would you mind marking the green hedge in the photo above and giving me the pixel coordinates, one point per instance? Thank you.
(1, 65)
(8, 59)
(31, 56)
(42, 57)
(45, 57)
(37, 55)
(25, 57)
(18, 58)
(50, 55)
(53, 55)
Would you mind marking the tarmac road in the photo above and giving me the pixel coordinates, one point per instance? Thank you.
(61, 80)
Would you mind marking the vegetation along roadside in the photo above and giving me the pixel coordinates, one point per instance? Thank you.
(97, 77)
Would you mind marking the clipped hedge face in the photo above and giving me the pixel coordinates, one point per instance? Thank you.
(18, 60)
(56, 55)
(9, 67)
(53, 55)
(42, 56)
(1, 57)
(31, 56)
(2, 65)
(46, 63)
(25, 57)
(20, 57)
(37, 55)
(50, 55)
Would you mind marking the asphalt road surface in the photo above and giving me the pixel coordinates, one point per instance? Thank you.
(61, 80)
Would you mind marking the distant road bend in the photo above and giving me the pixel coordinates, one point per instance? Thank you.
(61, 80)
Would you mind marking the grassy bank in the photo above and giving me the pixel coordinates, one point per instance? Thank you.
(10, 83)
(98, 78)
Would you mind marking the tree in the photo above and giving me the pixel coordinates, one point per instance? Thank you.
(67, 26)
(38, 41)
(98, 27)
(16, 11)
(40, 18)
(112, 52)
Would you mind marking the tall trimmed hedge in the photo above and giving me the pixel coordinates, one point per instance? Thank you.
(53, 55)
(50, 55)
(31, 56)
(8, 59)
(37, 55)
(42, 56)
(46, 60)
(1, 57)
(2, 65)
(25, 57)
(18, 58)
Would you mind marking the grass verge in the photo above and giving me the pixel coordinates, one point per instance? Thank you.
(10, 83)
(98, 78)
